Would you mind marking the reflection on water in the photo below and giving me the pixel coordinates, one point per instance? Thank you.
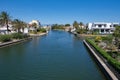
(56, 56)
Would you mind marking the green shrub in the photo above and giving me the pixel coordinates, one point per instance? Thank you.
(81, 31)
(98, 39)
(41, 30)
(17, 36)
(57, 27)
(25, 36)
(5, 38)
(110, 60)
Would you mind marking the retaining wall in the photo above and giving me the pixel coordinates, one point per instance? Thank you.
(13, 42)
(101, 63)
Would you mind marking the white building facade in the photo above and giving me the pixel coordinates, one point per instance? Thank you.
(33, 27)
(103, 27)
(36, 22)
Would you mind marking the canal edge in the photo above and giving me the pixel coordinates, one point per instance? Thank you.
(20, 41)
(14, 42)
(101, 62)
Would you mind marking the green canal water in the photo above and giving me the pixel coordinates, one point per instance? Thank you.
(56, 56)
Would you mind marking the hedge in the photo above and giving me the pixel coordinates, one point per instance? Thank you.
(41, 30)
(17, 36)
(110, 60)
(9, 37)
(5, 38)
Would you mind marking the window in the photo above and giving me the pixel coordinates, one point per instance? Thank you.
(104, 25)
(115, 25)
(99, 25)
(94, 25)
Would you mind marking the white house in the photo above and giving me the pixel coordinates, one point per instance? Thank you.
(35, 21)
(3, 29)
(32, 28)
(103, 27)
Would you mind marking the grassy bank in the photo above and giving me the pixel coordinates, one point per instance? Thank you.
(109, 59)
(10, 37)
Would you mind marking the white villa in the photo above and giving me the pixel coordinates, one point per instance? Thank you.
(3, 29)
(103, 27)
(35, 21)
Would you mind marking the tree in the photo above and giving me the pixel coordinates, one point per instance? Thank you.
(1, 21)
(76, 25)
(81, 24)
(4, 19)
(35, 27)
(116, 34)
(57, 26)
(67, 24)
(23, 25)
(18, 24)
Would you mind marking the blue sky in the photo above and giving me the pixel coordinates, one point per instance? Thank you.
(63, 11)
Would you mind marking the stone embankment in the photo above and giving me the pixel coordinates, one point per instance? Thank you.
(19, 40)
(37, 34)
(14, 42)
(108, 72)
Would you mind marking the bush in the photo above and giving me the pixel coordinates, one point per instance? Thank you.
(110, 60)
(95, 32)
(98, 39)
(26, 35)
(17, 36)
(41, 30)
(57, 27)
(5, 38)
(108, 38)
(81, 31)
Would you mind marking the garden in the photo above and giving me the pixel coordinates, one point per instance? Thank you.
(108, 48)
(10, 37)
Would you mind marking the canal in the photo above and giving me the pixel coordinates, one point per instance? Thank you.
(58, 55)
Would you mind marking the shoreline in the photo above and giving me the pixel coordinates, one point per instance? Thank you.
(10, 43)
(32, 35)
(5, 44)
(85, 35)
(106, 70)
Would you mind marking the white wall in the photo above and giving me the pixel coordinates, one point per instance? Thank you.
(90, 26)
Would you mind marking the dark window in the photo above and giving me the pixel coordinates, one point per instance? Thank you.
(102, 30)
(95, 25)
(99, 25)
(115, 25)
(104, 25)
(112, 30)
(107, 30)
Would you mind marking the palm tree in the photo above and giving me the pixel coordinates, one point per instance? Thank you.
(35, 27)
(76, 25)
(4, 19)
(1, 21)
(23, 25)
(18, 24)
(81, 24)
